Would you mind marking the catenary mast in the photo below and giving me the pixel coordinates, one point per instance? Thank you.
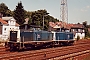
(64, 12)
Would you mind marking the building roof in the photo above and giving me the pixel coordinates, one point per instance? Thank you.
(3, 22)
(8, 18)
(17, 24)
(58, 24)
(77, 26)
(63, 24)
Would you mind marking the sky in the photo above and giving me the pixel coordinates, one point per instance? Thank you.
(78, 10)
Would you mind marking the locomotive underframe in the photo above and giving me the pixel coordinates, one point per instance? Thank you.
(13, 46)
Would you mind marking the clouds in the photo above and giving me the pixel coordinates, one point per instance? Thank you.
(87, 6)
(85, 9)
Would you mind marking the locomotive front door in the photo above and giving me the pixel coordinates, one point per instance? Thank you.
(13, 36)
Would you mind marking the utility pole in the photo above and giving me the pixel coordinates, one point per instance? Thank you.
(43, 18)
(43, 22)
(64, 12)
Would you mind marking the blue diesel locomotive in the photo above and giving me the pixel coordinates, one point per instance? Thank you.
(38, 39)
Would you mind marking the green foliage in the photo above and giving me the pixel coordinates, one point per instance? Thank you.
(4, 10)
(19, 14)
(87, 33)
(35, 17)
(85, 24)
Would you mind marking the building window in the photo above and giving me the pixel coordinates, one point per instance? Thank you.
(5, 29)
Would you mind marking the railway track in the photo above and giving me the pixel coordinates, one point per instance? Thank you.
(50, 53)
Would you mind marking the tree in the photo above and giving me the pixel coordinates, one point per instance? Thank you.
(87, 33)
(85, 24)
(85, 28)
(4, 10)
(19, 14)
(36, 18)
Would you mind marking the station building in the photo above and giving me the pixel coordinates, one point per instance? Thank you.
(7, 24)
